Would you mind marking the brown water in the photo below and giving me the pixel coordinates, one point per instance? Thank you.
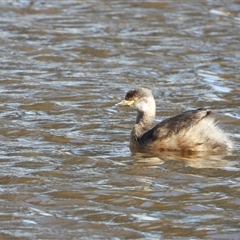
(66, 169)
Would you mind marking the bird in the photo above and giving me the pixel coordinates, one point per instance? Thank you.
(191, 131)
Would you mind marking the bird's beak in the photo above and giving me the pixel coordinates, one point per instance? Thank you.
(125, 103)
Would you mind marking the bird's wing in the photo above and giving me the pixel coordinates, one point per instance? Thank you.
(174, 124)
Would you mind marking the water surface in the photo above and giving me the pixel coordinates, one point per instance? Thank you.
(66, 169)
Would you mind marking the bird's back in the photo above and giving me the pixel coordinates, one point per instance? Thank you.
(193, 130)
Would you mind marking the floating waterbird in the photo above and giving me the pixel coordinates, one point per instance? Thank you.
(190, 131)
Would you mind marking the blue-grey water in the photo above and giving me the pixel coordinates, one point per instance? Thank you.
(66, 169)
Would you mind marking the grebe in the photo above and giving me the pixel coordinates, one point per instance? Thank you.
(192, 131)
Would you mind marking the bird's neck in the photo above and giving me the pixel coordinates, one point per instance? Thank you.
(142, 125)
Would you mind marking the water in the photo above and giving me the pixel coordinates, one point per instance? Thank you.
(66, 169)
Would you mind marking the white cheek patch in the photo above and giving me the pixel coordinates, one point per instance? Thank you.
(144, 105)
